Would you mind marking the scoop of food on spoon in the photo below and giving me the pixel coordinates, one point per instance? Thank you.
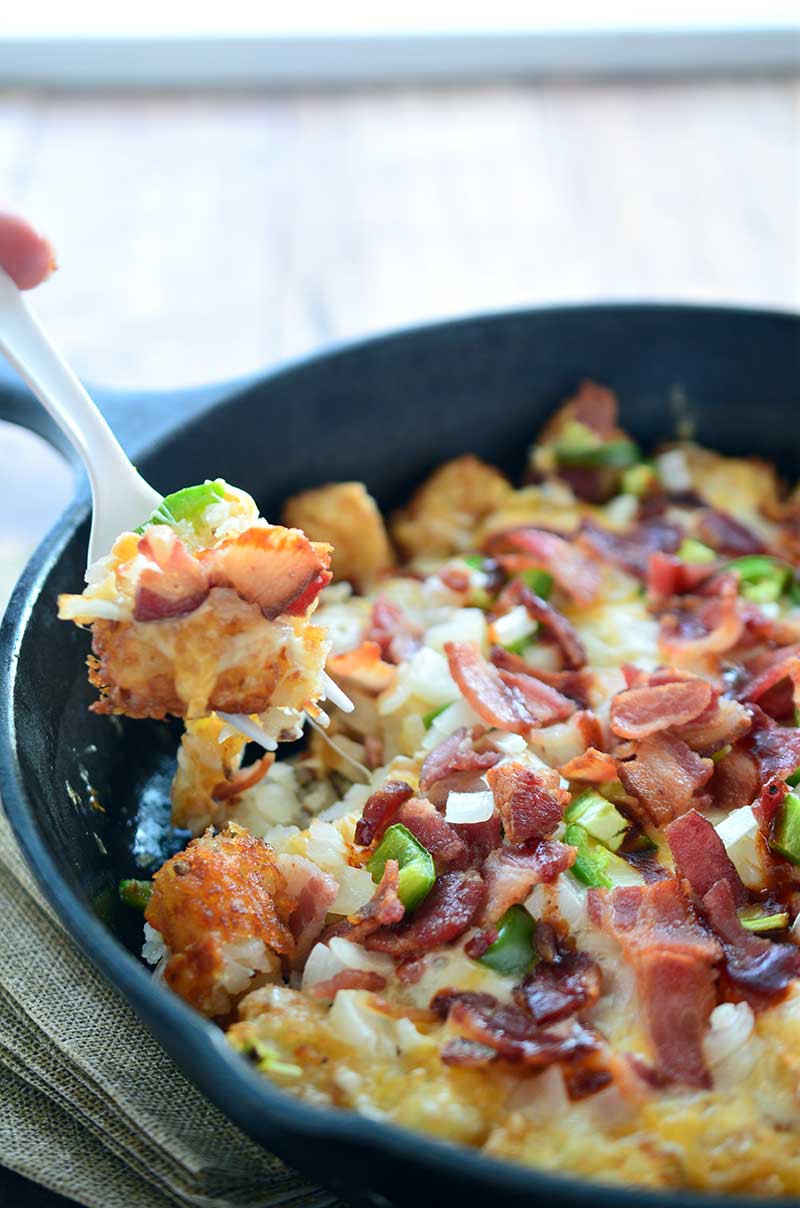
(198, 607)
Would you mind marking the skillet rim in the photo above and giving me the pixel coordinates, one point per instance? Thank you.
(197, 1046)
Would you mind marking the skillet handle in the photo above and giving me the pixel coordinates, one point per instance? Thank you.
(138, 418)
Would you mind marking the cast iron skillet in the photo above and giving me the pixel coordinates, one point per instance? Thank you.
(386, 412)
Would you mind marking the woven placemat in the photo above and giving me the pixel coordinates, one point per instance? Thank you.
(91, 1106)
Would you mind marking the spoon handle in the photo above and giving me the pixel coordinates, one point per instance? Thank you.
(121, 497)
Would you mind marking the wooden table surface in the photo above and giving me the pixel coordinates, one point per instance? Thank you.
(205, 236)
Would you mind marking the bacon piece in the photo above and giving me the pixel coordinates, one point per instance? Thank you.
(348, 979)
(481, 838)
(593, 405)
(455, 754)
(723, 723)
(382, 910)
(513, 1034)
(700, 856)
(554, 990)
(770, 799)
(713, 627)
(481, 942)
(668, 576)
(512, 872)
(726, 535)
(544, 704)
(277, 568)
(576, 685)
(775, 748)
(480, 682)
(673, 959)
(638, 712)
(775, 686)
(759, 969)
(519, 548)
(176, 585)
(396, 635)
(593, 766)
(551, 620)
(379, 811)
(735, 781)
(664, 775)
(631, 551)
(429, 827)
(444, 915)
(531, 804)
(314, 892)
(363, 668)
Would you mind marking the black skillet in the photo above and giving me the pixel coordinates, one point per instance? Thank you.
(386, 412)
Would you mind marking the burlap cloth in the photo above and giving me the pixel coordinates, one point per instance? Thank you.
(90, 1106)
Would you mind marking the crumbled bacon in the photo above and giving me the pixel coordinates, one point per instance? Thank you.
(480, 943)
(455, 754)
(444, 915)
(664, 775)
(494, 701)
(379, 811)
(759, 970)
(673, 959)
(512, 1033)
(518, 549)
(631, 551)
(723, 723)
(726, 535)
(593, 766)
(554, 990)
(551, 620)
(382, 910)
(544, 704)
(433, 832)
(395, 634)
(348, 979)
(638, 712)
(175, 584)
(577, 685)
(668, 575)
(775, 748)
(278, 569)
(735, 781)
(314, 892)
(700, 856)
(512, 872)
(481, 838)
(712, 625)
(531, 803)
(776, 686)
(467, 1054)
(592, 405)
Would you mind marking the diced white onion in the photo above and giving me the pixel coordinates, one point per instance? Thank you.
(513, 626)
(426, 675)
(622, 510)
(729, 1046)
(673, 470)
(740, 833)
(326, 960)
(465, 625)
(512, 745)
(459, 714)
(469, 807)
(353, 1019)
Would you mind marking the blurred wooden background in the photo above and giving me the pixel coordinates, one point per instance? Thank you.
(202, 236)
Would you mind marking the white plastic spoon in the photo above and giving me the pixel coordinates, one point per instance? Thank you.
(121, 499)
